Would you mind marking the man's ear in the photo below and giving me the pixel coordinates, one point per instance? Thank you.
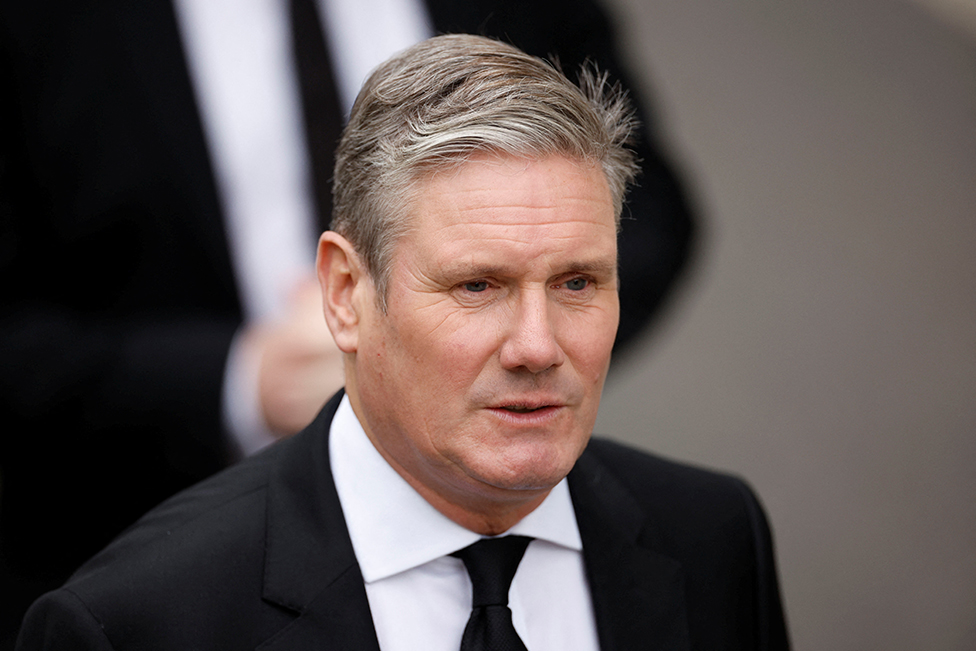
(343, 280)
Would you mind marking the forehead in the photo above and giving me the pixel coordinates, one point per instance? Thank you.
(519, 208)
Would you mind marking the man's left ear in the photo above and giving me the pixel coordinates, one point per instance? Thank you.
(341, 277)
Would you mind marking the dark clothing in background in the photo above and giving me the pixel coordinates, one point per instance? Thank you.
(119, 301)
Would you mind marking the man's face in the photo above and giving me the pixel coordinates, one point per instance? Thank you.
(483, 379)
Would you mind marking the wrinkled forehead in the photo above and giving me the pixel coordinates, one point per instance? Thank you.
(493, 181)
(518, 208)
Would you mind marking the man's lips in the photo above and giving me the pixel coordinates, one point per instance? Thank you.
(523, 403)
(523, 406)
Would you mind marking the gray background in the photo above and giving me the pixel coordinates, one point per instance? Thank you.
(824, 345)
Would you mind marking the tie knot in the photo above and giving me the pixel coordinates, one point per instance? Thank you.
(491, 564)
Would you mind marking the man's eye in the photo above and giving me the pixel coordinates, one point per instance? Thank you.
(476, 286)
(576, 284)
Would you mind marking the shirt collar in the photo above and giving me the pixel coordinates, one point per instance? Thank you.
(394, 529)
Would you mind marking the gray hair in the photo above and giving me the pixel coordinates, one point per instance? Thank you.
(440, 102)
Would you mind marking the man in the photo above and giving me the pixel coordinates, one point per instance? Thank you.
(131, 293)
(470, 282)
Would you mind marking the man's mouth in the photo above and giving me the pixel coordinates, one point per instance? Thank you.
(529, 413)
(528, 406)
(518, 409)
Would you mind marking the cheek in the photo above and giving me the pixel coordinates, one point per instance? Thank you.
(588, 340)
(437, 356)
(461, 337)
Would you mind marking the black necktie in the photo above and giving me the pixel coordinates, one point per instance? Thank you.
(320, 102)
(491, 564)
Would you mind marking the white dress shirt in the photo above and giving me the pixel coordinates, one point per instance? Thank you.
(239, 55)
(420, 596)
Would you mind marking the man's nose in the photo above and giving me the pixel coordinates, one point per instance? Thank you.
(531, 341)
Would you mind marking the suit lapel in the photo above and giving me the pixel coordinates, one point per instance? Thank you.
(337, 619)
(638, 593)
(310, 566)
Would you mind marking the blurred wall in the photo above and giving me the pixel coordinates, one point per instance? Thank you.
(824, 345)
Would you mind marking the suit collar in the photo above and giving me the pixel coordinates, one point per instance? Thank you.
(310, 566)
(637, 592)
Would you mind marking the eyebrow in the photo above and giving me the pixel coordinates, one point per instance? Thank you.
(503, 271)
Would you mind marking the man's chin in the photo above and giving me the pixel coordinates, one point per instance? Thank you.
(522, 477)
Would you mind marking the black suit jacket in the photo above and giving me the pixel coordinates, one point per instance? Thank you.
(119, 303)
(259, 557)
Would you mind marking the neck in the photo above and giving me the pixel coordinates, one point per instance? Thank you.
(486, 517)
(489, 511)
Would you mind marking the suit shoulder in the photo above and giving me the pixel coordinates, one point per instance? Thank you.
(680, 494)
(198, 511)
(62, 621)
(202, 548)
(199, 558)
(644, 469)
(707, 526)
